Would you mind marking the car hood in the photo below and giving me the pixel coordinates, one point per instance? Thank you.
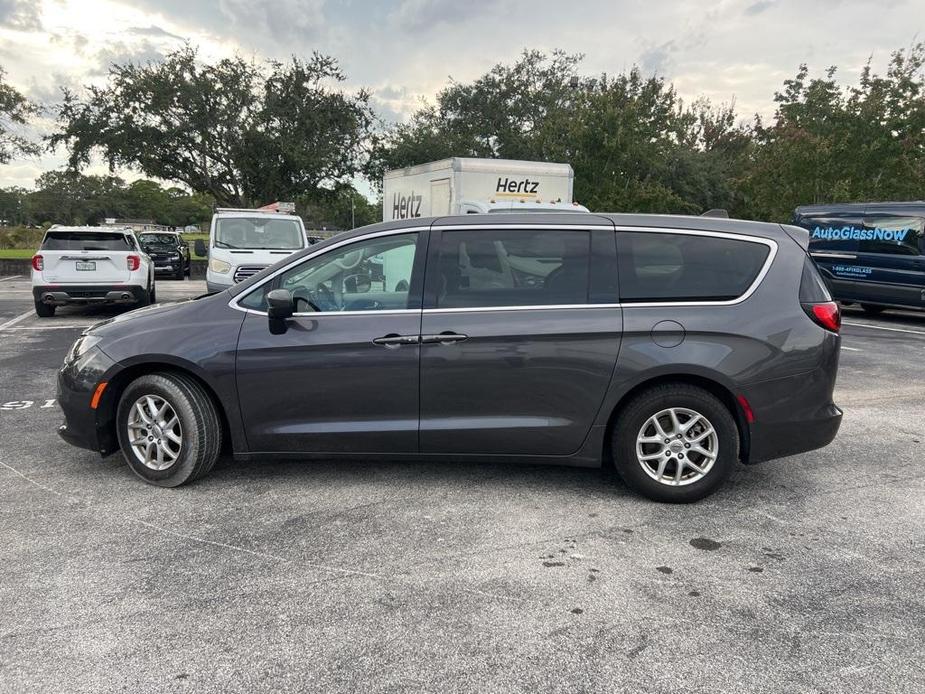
(160, 311)
(160, 247)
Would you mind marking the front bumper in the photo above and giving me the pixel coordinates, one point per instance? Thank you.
(215, 288)
(83, 426)
(61, 294)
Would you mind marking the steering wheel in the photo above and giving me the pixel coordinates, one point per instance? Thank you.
(319, 300)
(350, 259)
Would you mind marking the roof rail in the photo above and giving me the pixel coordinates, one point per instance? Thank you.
(247, 209)
(716, 212)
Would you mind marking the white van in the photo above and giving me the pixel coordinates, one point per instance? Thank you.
(463, 185)
(243, 242)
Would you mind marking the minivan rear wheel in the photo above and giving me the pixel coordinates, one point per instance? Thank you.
(168, 428)
(675, 443)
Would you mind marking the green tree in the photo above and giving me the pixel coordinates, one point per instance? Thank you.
(240, 132)
(15, 112)
(829, 143)
(632, 142)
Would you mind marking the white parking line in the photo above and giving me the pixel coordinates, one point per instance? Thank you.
(851, 349)
(13, 277)
(865, 325)
(14, 321)
(51, 327)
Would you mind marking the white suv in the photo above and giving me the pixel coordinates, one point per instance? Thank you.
(82, 265)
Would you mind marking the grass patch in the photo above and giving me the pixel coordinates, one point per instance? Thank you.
(16, 253)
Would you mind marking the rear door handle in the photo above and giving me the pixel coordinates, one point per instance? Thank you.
(447, 337)
(395, 340)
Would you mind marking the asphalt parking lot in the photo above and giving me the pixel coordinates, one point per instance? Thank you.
(801, 575)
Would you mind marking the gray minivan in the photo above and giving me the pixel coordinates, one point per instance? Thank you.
(669, 347)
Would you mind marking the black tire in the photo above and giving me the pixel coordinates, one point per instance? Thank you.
(44, 310)
(152, 294)
(636, 414)
(146, 298)
(180, 273)
(873, 309)
(201, 431)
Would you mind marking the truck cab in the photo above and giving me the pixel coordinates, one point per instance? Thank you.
(242, 242)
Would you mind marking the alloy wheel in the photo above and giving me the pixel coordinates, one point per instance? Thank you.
(677, 446)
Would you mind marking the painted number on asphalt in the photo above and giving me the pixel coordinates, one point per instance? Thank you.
(26, 404)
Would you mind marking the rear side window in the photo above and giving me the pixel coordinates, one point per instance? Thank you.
(84, 241)
(512, 267)
(656, 266)
(813, 289)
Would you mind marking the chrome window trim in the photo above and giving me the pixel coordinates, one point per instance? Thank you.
(770, 243)
(532, 307)
(753, 287)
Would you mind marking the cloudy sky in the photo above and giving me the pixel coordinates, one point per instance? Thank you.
(405, 50)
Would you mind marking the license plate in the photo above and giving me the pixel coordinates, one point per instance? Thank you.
(86, 265)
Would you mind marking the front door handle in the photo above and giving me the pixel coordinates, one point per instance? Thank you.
(395, 340)
(447, 337)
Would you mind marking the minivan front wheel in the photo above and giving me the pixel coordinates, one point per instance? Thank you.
(675, 443)
(168, 428)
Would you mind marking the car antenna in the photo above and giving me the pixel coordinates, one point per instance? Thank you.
(716, 212)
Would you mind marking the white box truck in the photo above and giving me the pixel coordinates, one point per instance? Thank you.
(462, 185)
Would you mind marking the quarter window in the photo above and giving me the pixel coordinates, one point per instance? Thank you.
(686, 267)
(370, 275)
(512, 267)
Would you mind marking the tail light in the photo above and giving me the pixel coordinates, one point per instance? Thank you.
(38, 263)
(826, 314)
(133, 262)
(816, 299)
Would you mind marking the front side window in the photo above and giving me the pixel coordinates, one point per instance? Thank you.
(258, 233)
(668, 267)
(512, 267)
(370, 275)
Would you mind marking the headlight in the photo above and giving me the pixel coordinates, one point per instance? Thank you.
(174, 256)
(84, 343)
(220, 266)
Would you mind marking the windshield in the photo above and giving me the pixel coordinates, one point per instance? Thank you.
(158, 238)
(84, 241)
(258, 233)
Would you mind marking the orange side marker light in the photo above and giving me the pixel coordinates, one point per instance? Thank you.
(97, 394)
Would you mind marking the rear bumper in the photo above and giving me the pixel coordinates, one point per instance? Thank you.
(780, 439)
(60, 294)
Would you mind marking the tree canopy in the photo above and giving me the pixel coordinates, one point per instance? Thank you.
(244, 133)
(15, 112)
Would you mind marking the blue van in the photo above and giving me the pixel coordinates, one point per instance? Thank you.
(872, 253)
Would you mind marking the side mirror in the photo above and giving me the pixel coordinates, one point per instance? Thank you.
(280, 304)
(200, 246)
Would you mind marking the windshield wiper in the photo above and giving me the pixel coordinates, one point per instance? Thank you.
(223, 244)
